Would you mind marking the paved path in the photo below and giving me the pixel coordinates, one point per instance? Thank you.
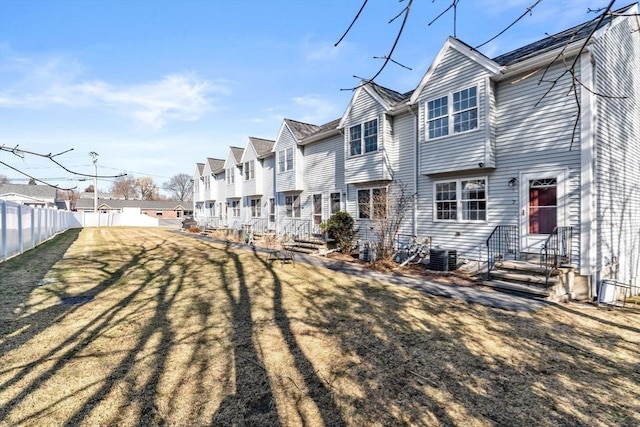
(484, 296)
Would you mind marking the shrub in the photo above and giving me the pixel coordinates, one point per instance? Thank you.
(341, 228)
(193, 229)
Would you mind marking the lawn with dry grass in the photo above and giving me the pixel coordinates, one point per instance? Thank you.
(118, 326)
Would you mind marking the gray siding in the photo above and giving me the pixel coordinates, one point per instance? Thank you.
(617, 72)
(251, 187)
(368, 166)
(289, 180)
(528, 139)
(324, 172)
(455, 152)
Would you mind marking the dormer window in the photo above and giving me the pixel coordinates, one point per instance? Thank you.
(363, 138)
(454, 113)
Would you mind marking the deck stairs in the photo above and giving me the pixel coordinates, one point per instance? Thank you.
(529, 278)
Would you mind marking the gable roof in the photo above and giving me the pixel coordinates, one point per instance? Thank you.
(237, 154)
(215, 165)
(301, 130)
(142, 204)
(571, 35)
(199, 168)
(263, 147)
(453, 43)
(386, 97)
(322, 132)
(41, 192)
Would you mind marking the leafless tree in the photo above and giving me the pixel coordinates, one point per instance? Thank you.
(4, 179)
(147, 189)
(180, 187)
(390, 208)
(89, 189)
(125, 187)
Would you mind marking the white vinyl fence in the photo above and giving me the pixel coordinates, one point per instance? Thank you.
(23, 227)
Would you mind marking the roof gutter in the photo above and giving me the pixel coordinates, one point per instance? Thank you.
(319, 136)
(542, 59)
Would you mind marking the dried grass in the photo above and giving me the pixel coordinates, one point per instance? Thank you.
(181, 331)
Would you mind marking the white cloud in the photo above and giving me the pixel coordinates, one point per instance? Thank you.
(58, 81)
(316, 110)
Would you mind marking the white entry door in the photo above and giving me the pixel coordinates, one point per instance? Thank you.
(542, 203)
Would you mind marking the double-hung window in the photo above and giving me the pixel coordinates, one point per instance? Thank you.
(285, 160)
(438, 117)
(335, 202)
(363, 138)
(256, 210)
(292, 206)
(454, 113)
(372, 203)
(461, 200)
(235, 208)
(249, 170)
(465, 110)
(230, 176)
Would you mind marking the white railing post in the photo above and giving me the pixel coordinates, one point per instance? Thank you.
(20, 231)
(3, 223)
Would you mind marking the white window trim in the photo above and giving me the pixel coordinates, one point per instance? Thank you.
(451, 113)
(371, 206)
(284, 154)
(339, 193)
(249, 170)
(363, 152)
(459, 201)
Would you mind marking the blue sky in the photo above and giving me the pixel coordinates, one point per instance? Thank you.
(155, 86)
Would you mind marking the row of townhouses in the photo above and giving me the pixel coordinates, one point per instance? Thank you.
(514, 148)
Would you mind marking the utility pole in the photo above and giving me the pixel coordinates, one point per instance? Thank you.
(95, 181)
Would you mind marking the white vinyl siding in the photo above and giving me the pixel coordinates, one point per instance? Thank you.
(366, 166)
(617, 156)
(458, 141)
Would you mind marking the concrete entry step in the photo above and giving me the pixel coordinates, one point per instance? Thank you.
(521, 289)
(524, 266)
(524, 278)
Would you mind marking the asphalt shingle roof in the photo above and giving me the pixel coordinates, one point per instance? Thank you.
(216, 165)
(143, 204)
(301, 130)
(237, 154)
(262, 146)
(34, 191)
(546, 44)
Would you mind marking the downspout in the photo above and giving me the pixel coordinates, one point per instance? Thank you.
(416, 169)
(588, 233)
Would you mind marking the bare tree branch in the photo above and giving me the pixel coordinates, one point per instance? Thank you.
(529, 11)
(364, 3)
(36, 179)
(387, 58)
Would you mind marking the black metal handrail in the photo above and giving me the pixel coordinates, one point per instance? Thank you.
(556, 250)
(258, 225)
(503, 243)
(298, 228)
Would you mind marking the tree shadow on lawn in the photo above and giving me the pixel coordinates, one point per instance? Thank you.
(469, 364)
(20, 275)
(253, 402)
(70, 349)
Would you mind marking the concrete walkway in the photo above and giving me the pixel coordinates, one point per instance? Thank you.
(484, 296)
